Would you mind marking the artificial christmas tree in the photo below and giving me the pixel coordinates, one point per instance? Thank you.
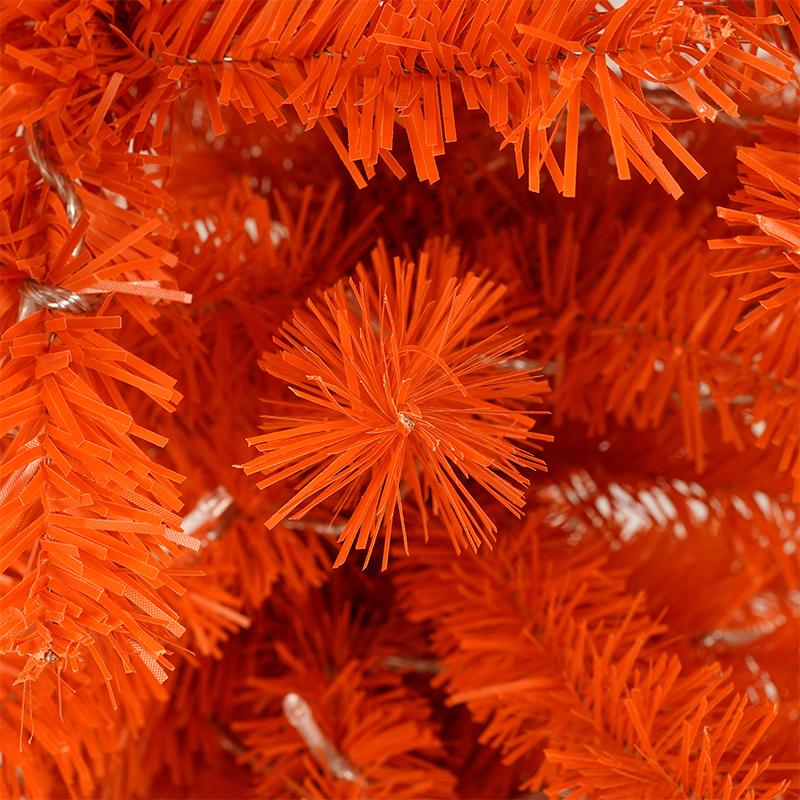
(478, 282)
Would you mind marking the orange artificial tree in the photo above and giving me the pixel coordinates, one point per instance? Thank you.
(508, 288)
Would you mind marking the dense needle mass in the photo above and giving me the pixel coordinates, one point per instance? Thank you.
(177, 178)
(402, 391)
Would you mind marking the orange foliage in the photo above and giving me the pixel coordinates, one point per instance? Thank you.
(203, 231)
(400, 380)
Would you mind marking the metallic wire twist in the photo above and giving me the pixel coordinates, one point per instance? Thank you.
(64, 187)
(34, 295)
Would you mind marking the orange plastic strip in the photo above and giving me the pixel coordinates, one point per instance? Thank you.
(109, 94)
(79, 281)
(614, 127)
(571, 147)
(209, 88)
(341, 151)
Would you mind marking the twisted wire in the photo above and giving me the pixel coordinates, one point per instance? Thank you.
(37, 295)
(64, 187)
(34, 295)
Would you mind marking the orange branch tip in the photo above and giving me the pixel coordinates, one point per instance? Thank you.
(403, 394)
